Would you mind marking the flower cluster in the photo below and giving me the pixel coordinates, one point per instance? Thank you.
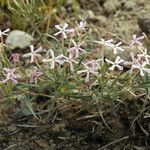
(108, 44)
(72, 60)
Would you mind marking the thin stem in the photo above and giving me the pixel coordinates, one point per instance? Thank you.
(49, 17)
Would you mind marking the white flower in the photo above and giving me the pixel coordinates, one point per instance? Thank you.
(4, 32)
(141, 67)
(70, 60)
(144, 54)
(88, 70)
(136, 40)
(33, 53)
(63, 30)
(104, 42)
(116, 47)
(132, 62)
(109, 44)
(76, 48)
(53, 59)
(115, 63)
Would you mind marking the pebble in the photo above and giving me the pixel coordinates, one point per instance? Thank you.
(22, 112)
(18, 39)
(12, 128)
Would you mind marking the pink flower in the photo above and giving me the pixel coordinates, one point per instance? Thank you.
(9, 74)
(76, 48)
(81, 25)
(63, 30)
(115, 63)
(88, 70)
(14, 57)
(35, 75)
(70, 60)
(33, 53)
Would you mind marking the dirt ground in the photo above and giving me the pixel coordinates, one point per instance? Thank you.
(71, 126)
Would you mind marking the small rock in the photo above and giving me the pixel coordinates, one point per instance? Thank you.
(110, 6)
(18, 39)
(22, 112)
(12, 128)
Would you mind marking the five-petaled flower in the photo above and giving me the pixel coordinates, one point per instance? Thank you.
(59, 59)
(63, 30)
(136, 41)
(141, 66)
(144, 55)
(9, 74)
(104, 42)
(115, 63)
(70, 60)
(76, 48)
(33, 53)
(4, 32)
(88, 70)
(116, 47)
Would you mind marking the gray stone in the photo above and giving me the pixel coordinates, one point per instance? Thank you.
(22, 112)
(12, 128)
(18, 39)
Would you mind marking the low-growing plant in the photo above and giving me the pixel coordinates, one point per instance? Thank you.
(70, 71)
